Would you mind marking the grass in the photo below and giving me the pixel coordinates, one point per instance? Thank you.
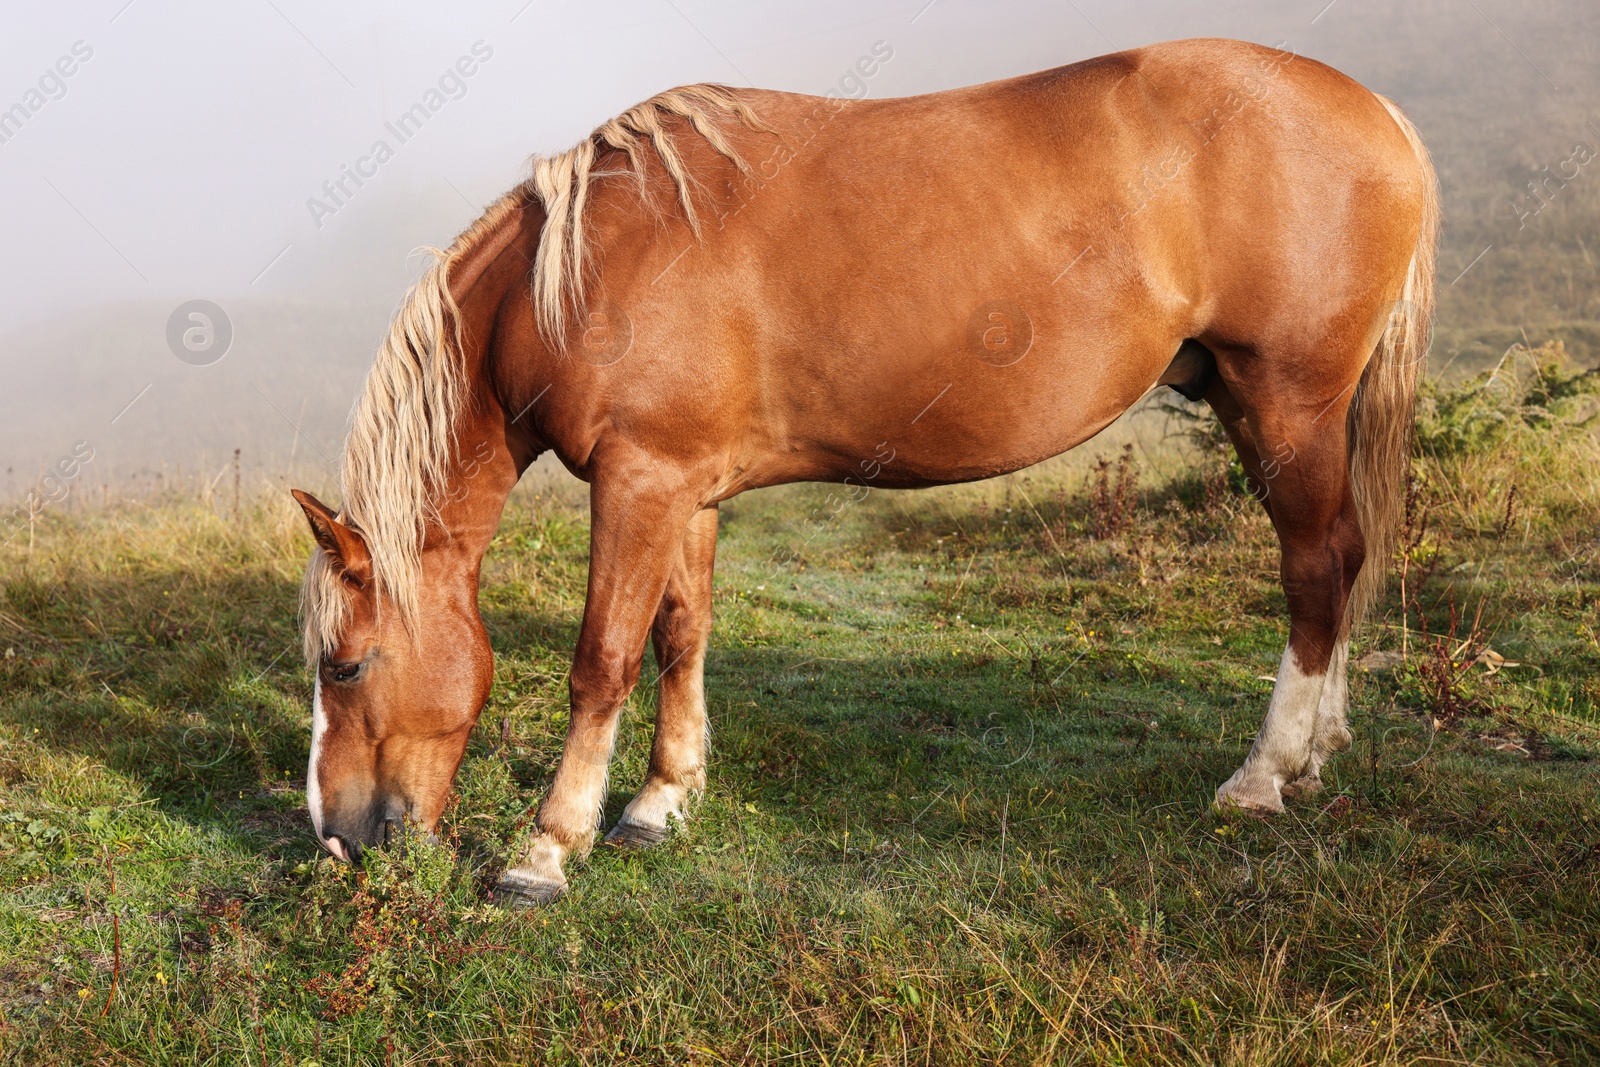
(963, 753)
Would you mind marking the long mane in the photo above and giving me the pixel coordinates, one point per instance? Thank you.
(562, 182)
(401, 442)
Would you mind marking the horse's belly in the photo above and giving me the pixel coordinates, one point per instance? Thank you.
(955, 420)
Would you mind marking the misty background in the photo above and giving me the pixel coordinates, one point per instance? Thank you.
(157, 152)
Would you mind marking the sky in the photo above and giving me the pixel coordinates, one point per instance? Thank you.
(182, 158)
(159, 152)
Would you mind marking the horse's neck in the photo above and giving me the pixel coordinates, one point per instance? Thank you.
(490, 452)
(468, 506)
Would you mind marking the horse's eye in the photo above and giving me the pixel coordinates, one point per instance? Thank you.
(345, 672)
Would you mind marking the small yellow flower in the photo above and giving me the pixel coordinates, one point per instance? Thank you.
(83, 992)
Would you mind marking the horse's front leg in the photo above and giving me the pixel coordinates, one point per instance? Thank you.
(681, 632)
(634, 541)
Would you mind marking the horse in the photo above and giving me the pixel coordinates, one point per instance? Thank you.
(723, 289)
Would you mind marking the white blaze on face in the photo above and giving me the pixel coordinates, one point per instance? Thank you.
(319, 722)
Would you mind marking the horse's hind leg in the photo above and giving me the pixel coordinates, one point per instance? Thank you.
(1331, 734)
(1294, 448)
(681, 632)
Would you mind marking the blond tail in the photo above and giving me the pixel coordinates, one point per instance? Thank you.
(1381, 413)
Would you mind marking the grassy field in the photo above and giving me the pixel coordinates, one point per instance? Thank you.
(959, 804)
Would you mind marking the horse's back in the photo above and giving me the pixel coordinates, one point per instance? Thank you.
(987, 276)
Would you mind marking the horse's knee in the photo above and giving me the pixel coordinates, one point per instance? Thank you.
(602, 678)
(1346, 539)
(680, 625)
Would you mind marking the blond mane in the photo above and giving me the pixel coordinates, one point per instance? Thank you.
(401, 442)
(561, 183)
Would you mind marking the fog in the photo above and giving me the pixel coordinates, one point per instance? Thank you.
(154, 153)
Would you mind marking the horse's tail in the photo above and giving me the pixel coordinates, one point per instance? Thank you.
(1380, 423)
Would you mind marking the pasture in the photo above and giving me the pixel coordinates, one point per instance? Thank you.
(964, 747)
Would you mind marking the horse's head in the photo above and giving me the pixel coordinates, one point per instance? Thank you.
(395, 698)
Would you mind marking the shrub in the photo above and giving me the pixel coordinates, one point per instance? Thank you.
(1530, 391)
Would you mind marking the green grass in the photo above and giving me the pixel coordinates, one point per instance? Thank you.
(962, 758)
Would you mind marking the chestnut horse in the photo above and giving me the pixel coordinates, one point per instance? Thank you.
(723, 289)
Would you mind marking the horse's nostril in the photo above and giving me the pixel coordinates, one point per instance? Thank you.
(344, 848)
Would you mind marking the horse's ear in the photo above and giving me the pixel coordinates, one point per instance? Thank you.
(344, 546)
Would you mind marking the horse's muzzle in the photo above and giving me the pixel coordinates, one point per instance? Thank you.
(380, 830)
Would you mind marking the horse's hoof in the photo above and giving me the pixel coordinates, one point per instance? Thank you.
(1300, 788)
(1229, 808)
(514, 891)
(633, 835)
(1240, 797)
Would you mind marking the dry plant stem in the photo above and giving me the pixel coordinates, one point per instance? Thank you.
(1405, 616)
(116, 937)
(116, 961)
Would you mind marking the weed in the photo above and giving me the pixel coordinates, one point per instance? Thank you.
(1112, 495)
